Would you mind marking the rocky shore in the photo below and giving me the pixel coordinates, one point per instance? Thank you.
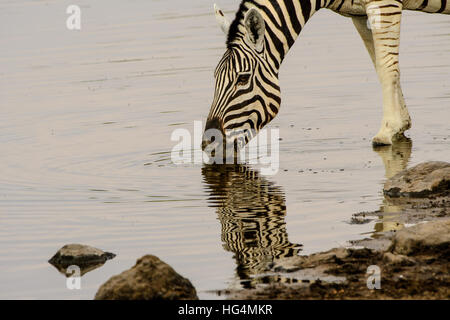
(409, 256)
(414, 266)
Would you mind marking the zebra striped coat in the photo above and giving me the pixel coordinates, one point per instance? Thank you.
(247, 93)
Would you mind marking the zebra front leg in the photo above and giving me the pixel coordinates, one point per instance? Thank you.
(366, 35)
(385, 18)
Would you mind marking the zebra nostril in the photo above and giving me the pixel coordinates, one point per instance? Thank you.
(213, 132)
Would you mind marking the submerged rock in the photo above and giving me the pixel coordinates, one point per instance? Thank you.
(420, 181)
(432, 236)
(87, 258)
(149, 279)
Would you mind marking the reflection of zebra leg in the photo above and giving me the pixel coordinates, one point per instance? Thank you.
(395, 158)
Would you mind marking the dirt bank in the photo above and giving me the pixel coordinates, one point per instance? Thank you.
(422, 273)
(410, 249)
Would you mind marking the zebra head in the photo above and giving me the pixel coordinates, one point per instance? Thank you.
(247, 94)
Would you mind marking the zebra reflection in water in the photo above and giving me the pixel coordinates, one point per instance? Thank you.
(251, 211)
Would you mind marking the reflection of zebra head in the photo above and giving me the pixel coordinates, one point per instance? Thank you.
(247, 94)
(251, 211)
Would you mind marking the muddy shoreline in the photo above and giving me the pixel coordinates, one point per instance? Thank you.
(410, 248)
(407, 257)
(420, 275)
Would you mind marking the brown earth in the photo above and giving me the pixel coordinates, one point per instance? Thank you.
(413, 260)
(422, 274)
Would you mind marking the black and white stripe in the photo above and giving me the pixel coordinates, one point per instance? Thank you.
(252, 212)
(247, 92)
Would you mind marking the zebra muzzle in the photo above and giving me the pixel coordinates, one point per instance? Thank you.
(213, 134)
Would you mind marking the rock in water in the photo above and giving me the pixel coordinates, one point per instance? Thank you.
(425, 179)
(85, 257)
(426, 237)
(149, 279)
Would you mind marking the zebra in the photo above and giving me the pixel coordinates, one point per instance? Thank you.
(252, 212)
(247, 91)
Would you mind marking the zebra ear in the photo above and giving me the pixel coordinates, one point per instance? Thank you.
(222, 19)
(255, 25)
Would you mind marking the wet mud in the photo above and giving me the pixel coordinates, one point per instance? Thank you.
(410, 251)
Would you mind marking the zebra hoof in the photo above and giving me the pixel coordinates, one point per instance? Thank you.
(381, 140)
(386, 140)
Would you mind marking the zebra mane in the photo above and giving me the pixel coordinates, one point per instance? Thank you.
(233, 32)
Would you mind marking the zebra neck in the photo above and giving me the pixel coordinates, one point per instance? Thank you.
(285, 20)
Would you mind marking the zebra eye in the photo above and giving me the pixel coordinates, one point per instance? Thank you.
(243, 79)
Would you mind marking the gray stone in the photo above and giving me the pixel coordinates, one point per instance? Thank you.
(149, 279)
(420, 181)
(80, 255)
(422, 238)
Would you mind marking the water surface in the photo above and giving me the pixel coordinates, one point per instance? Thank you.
(86, 119)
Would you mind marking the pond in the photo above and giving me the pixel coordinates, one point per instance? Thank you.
(85, 141)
